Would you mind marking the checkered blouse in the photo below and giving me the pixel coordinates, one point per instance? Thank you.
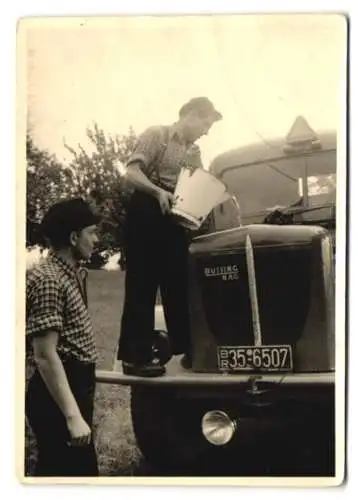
(161, 150)
(56, 300)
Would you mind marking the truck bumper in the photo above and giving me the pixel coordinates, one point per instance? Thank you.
(178, 376)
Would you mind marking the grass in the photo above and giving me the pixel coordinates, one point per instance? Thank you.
(115, 441)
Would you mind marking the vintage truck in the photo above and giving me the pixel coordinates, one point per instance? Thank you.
(262, 307)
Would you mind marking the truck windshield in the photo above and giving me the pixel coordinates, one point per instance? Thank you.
(278, 183)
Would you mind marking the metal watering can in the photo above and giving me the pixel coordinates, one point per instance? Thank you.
(196, 194)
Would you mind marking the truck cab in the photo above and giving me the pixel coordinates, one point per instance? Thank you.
(279, 183)
(262, 383)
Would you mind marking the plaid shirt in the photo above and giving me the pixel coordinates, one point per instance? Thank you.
(55, 300)
(163, 147)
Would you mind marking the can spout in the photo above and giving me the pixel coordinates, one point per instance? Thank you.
(225, 197)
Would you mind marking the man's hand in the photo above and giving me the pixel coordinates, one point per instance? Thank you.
(165, 200)
(79, 430)
(53, 373)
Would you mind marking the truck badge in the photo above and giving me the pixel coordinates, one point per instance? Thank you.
(226, 273)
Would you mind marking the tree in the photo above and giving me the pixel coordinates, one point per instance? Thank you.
(98, 177)
(47, 181)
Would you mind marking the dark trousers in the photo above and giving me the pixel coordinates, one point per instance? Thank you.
(156, 257)
(55, 457)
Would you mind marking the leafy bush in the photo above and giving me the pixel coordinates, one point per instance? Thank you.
(98, 260)
(95, 176)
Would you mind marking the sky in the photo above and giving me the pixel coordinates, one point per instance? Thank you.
(260, 72)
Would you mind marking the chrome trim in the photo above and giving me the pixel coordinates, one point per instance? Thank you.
(253, 290)
(190, 379)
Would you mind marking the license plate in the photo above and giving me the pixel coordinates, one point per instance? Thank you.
(268, 358)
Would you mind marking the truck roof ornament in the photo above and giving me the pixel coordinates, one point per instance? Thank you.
(301, 137)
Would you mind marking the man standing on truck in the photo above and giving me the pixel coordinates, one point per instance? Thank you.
(60, 393)
(156, 247)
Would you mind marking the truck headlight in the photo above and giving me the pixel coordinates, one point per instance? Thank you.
(217, 427)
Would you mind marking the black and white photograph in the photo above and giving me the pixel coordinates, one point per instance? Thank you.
(184, 183)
